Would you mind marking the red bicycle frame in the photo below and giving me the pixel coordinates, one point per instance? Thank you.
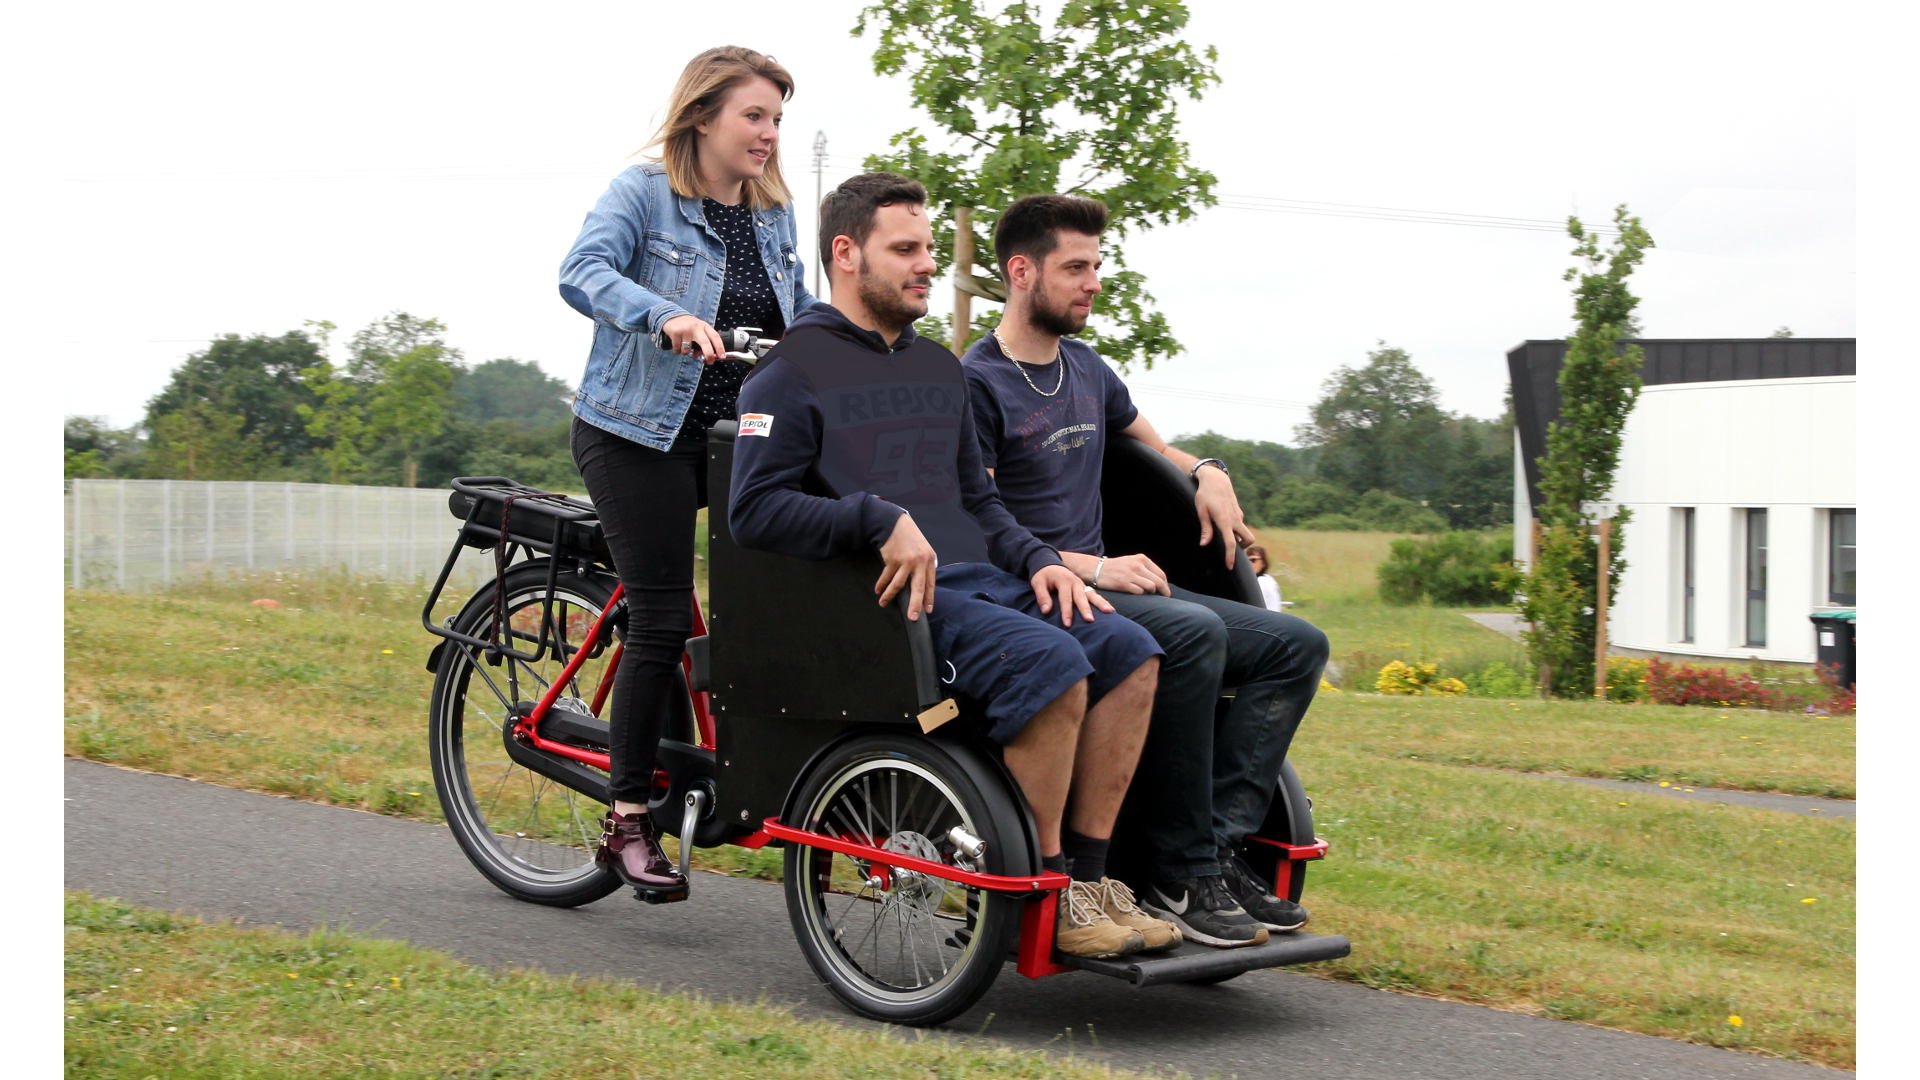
(527, 728)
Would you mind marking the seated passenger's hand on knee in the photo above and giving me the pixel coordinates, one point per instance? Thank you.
(1073, 596)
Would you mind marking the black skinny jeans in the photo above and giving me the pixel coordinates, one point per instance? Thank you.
(646, 499)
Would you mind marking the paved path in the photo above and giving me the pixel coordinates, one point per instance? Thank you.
(221, 853)
(1795, 804)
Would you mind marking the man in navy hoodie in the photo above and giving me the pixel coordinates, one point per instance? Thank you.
(882, 416)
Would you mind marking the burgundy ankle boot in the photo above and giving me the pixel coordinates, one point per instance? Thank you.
(630, 845)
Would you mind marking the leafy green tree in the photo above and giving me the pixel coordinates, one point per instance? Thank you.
(1376, 427)
(509, 389)
(1599, 384)
(93, 449)
(1088, 106)
(203, 442)
(1476, 490)
(256, 379)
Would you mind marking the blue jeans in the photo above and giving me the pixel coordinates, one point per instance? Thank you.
(1207, 775)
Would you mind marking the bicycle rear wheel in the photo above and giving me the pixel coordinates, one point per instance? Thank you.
(530, 835)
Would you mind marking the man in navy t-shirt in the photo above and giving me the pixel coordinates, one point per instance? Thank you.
(853, 401)
(1044, 406)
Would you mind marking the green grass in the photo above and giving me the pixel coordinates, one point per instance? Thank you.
(156, 995)
(1454, 873)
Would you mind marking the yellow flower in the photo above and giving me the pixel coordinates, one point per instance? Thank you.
(386, 652)
(1663, 783)
(293, 974)
(1807, 900)
(1735, 1021)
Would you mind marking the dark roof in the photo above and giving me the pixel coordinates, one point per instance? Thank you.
(1534, 368)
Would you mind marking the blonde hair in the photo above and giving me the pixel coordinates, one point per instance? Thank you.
(696, 99)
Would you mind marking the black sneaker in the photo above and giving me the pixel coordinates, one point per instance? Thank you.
(1204, 911)
(1258, 900)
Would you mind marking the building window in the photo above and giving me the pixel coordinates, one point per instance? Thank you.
(1756, 577)
(1840, 557)
(1685, 523)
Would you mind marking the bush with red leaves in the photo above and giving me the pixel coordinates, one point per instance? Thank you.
(1683, 684)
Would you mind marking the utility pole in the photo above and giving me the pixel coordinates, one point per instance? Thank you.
(819, 168)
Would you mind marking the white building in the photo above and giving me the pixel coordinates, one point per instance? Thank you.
(1738, 465)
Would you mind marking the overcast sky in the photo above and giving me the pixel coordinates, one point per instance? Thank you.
(235, 169)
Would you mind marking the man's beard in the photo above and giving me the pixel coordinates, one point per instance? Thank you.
(1062, 321)
(886, 303)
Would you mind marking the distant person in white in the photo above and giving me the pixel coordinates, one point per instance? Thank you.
(1269, 588)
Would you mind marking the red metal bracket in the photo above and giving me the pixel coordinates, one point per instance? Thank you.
(1291, 853)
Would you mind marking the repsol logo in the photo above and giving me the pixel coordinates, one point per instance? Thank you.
(896, 401)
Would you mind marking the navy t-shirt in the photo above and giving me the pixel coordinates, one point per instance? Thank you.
(1046, 452)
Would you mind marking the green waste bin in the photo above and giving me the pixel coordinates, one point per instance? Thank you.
(1833, 641)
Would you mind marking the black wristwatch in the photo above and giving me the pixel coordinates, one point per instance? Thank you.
(1194, 473)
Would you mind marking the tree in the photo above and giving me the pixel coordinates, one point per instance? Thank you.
(1599, 384)
(392, 399)
(94, 449)
(1021, 105)
(1376, 427)
(256, 380)
(508, 389)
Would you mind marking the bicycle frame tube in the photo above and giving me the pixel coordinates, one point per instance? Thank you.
(528, 729)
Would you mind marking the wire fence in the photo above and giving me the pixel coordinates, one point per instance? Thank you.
(137, 535)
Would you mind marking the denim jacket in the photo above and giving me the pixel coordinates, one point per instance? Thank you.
(646, 255)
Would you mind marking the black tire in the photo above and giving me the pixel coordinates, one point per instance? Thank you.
(919, 950)
(530, 835)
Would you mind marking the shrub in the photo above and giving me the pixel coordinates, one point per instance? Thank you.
(1626, 679)
(1498, 680)
(1682, 684)
(1458, 568)
(1839, 698)
(1400, 677)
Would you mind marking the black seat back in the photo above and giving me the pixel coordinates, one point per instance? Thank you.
(1148, 506)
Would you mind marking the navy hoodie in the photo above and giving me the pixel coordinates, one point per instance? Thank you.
(840, 434)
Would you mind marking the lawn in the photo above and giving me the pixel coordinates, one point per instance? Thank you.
(1454, 869)
(150, 994)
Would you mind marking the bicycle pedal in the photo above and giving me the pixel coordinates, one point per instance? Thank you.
(660, 896)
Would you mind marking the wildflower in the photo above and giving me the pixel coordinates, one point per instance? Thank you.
(1807, 900)
(1735, 1021)
(1664, 783)
(293, 974)
(386, 652)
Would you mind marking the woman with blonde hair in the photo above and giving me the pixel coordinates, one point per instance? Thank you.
(681, 247)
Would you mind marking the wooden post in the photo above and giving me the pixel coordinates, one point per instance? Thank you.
(962, 266)
(1600, 611)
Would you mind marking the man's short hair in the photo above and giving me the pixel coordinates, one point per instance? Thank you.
(1031, 226)
(848, 210)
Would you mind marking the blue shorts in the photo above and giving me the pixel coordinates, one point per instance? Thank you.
(993, 645)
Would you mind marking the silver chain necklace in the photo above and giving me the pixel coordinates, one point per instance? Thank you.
(1008, 353)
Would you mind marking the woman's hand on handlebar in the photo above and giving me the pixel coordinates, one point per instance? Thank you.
(686, 333)
(911, 564)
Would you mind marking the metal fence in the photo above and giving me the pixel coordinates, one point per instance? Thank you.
(133, 535)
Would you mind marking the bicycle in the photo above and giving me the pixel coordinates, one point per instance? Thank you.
(812, 721)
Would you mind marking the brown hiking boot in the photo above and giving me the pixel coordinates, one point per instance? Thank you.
(1083, 927)
(1120, 907)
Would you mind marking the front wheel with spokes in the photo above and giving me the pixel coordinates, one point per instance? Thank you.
(893, 944)
(530, 835)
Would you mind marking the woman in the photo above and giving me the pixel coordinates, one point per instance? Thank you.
(681, 247)
(1269, 588)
